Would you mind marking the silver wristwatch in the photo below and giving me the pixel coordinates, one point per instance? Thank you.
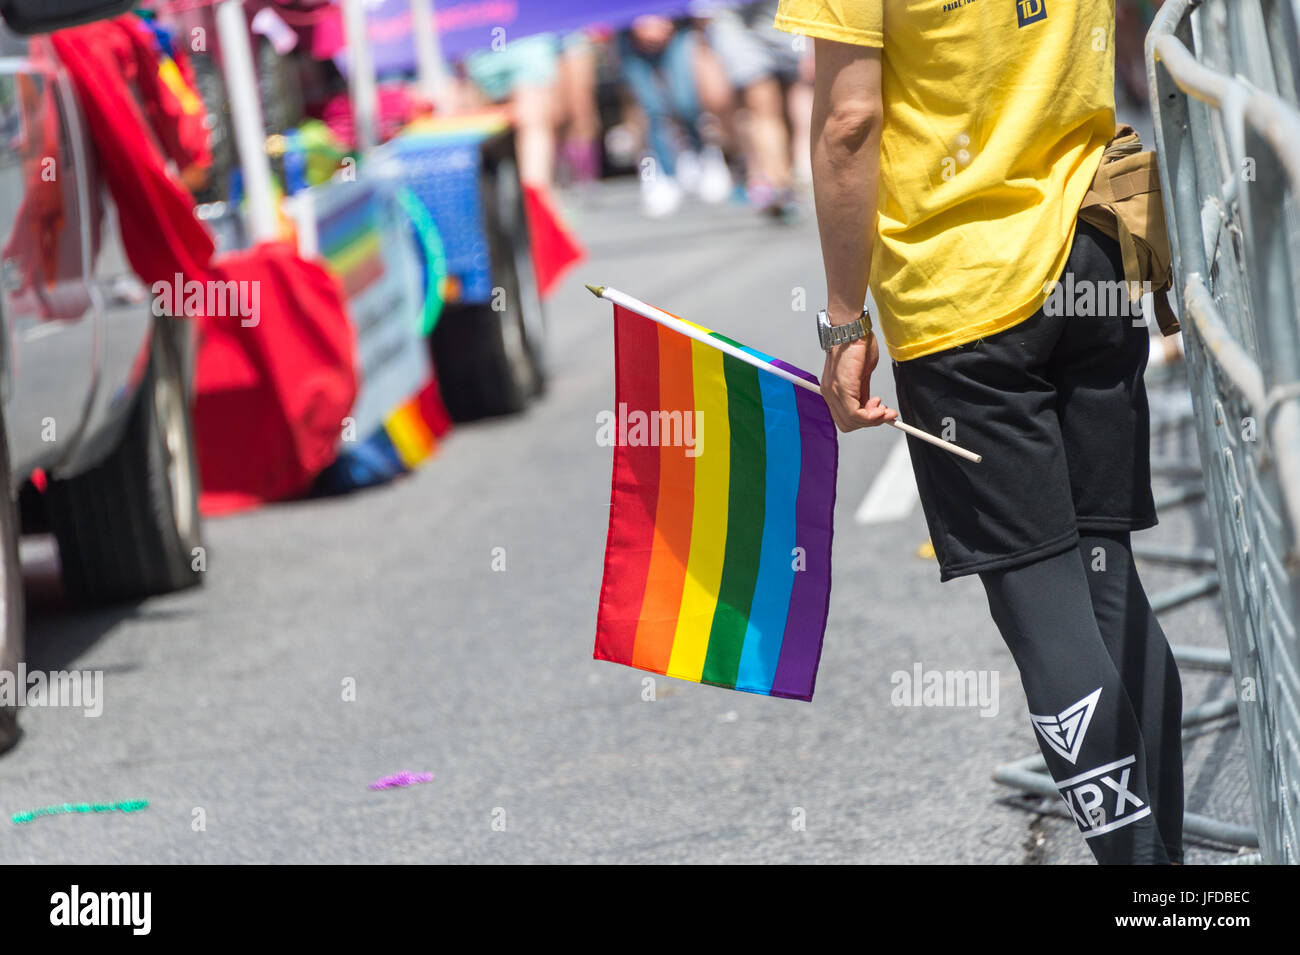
(831, 335)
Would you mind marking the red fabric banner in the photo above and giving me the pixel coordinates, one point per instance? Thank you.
(273, 384)
(555, 249)
(272, 396)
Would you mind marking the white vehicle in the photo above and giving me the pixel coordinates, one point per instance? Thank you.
(95, 391)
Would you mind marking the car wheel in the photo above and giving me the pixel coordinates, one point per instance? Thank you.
(11, 594)
(513, 228)
(130, 527)
(489, 359)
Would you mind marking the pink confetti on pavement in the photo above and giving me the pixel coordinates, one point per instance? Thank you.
(402, 779)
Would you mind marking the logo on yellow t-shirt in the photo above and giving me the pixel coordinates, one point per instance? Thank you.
(1030, 11)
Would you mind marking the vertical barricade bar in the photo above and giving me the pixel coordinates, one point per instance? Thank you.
(1228, 153)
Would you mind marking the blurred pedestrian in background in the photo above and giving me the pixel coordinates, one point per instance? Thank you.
(579, 119)
(762, 64)
(659, 60)
(524, 74)
(716, 88)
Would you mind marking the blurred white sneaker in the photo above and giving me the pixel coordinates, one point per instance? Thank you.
(689, 171)
(660, 196)
(621, 145)
(715, 178)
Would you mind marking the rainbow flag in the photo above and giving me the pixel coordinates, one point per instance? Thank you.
(718, 558)
(350, 241)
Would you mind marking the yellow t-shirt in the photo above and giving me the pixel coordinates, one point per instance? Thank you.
(996, 113)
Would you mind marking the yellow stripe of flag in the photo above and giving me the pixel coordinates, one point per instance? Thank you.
(709, 522)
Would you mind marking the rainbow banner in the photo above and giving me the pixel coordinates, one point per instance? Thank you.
(350, 240)
(413, 427)
(468, 25)
(718, 558)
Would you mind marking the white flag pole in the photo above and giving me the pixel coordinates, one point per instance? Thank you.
(246, 116)
(362, 89)
(690, 331)
(430, 67)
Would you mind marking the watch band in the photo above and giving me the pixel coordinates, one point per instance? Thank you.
(833, 335)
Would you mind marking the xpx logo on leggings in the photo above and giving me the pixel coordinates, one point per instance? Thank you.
(1064, 732)
(1100, 800)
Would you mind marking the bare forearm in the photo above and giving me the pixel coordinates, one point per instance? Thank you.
(846, 164)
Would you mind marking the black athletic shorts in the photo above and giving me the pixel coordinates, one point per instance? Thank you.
(1056, 405)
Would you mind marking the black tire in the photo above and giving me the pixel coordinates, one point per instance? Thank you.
(129, 527)
(11, 593)
(489, 361)
(513, 226)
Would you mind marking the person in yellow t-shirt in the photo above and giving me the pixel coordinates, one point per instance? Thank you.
(953, 143)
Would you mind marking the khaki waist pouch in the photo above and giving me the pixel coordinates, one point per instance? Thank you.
(1125, 203)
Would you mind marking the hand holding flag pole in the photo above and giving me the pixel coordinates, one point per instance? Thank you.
(686, 328)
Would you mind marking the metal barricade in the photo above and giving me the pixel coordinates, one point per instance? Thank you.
(1225, 83)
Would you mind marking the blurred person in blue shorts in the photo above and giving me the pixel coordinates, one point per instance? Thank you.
(524, 74)
(659, 62)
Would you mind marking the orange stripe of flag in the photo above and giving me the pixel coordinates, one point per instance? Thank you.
(671, 548)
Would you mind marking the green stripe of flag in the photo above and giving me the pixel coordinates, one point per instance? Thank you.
(744, 521)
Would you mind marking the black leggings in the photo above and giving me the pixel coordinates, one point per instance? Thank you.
(1103, 692)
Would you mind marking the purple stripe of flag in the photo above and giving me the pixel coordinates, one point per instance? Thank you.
(786, 366)
(801, 647)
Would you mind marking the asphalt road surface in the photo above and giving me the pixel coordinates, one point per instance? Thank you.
(226, 707)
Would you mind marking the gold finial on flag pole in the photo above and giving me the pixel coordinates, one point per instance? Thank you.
(596, 290)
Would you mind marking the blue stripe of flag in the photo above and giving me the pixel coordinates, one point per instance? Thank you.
(767, 615)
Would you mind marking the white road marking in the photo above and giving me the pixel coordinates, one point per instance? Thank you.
(44, 330)
(893, 493)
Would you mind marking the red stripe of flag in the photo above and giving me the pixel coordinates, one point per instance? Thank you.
(635, 495)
